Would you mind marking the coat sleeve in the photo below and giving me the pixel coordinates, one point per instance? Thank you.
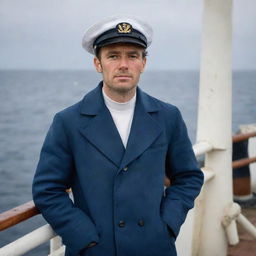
(53, 176)
(186, 178)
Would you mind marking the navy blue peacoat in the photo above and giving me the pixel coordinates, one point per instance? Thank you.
(118, 194)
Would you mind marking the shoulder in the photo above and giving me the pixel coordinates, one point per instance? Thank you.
(164, 107)
(166, 114)
(70, 112)
(74, 110)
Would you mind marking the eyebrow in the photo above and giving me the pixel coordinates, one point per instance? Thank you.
(118, 52)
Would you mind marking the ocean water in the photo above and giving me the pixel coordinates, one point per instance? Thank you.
(29, 99)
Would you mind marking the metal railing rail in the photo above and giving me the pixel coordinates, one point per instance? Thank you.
(243, 162)
(17, 215)
(241, 137)
(28, 242)
(234, 211)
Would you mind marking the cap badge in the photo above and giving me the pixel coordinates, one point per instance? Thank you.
(124, 28)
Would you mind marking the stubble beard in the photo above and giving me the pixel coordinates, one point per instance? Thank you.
(121, 90)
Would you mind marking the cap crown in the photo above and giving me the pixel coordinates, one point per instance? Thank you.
(123, 24)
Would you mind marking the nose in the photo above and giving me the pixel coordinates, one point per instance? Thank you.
(123, 63)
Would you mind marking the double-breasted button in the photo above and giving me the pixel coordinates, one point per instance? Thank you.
(121, 224)
(125, 168)
(141, 223)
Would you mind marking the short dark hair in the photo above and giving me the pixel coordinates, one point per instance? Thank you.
(144, 53)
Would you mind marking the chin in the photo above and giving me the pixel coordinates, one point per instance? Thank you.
(124, 88)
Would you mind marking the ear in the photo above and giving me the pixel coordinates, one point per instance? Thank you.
(97, 64)
(144, 61)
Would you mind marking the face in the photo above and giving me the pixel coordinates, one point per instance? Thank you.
(121, 66)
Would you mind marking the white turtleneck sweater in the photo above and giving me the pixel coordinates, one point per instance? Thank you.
(122, 114)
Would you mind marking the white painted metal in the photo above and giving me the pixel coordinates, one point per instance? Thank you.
(202, 147)
(230, 213)
(28, 242)
(58, 252)
(55, 244)
(248, 128)
(215, 74)
(184, 240)
(208, 173)
(231, 232)
(198, 220)
(252, 153)
(214, 125)
(247, 225)
(199, 211)
(228, 221)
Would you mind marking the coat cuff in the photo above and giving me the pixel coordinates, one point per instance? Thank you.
(80, 237)
(173, 215)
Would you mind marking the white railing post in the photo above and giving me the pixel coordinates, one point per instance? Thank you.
(55, 244)
(214, 125)
(252, 153)
(248, 128)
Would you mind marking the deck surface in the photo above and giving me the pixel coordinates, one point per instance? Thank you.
(247, 245)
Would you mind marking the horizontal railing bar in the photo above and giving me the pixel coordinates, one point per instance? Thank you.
(241, 137)
(243, 162)
(17, 215)
(28, 242)
(202, 147)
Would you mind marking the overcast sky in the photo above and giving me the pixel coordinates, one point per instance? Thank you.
(47, 34)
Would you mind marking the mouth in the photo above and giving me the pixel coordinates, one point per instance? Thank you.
(123, 76)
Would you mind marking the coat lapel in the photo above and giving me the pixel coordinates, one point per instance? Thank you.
(100, 129)
(144, 130)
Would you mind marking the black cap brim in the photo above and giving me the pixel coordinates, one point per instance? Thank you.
(116, 40)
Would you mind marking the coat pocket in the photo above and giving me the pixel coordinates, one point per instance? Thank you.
(170, 239)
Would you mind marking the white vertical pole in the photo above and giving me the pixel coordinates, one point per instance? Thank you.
(214, 124)
(252, 153)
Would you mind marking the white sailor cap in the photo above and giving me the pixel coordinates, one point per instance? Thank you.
(121, 29)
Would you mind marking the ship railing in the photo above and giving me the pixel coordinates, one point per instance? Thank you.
(244, 161)
(45, 233)
(31, 240)
(233, 212)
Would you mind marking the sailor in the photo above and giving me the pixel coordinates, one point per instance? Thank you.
(114, 149)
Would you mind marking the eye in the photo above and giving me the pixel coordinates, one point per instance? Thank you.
(112, 56)
(133, 56)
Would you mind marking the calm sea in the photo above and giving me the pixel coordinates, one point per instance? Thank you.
(29, 99)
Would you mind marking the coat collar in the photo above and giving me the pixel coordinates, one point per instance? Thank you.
(101, 131)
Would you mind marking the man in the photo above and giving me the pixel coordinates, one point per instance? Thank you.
(114, 149)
